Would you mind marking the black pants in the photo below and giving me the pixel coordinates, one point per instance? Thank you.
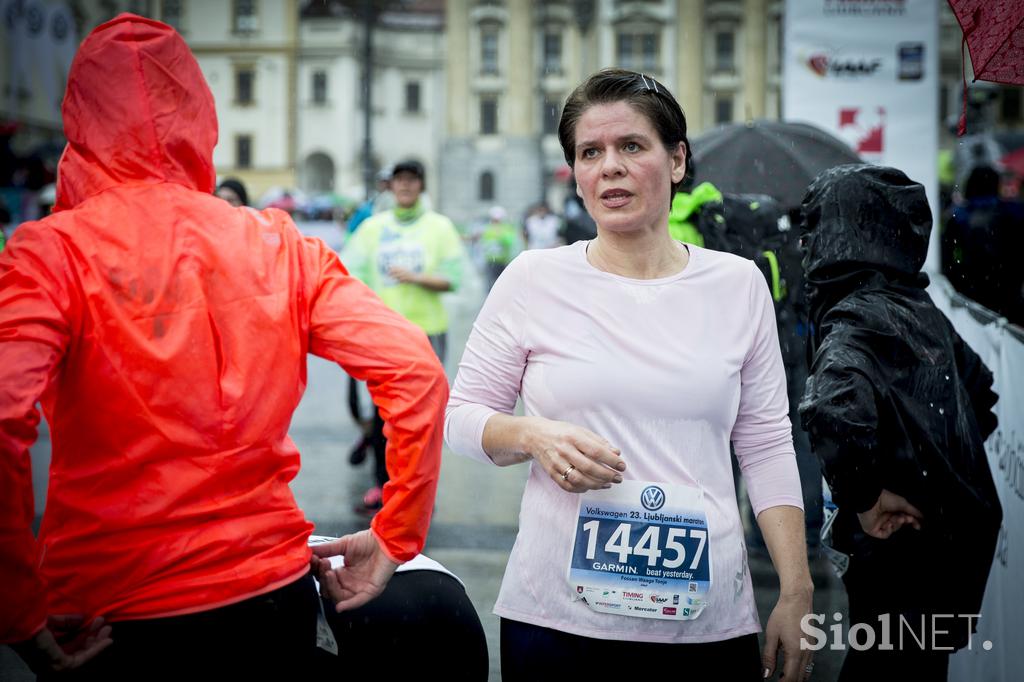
(908, 660)
(807, 465)
(272, 636)
(493, 272)
(439, 344)
(881, 666)
(422, 627)
(896, 578)
(534, 654)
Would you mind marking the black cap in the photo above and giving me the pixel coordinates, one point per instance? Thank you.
(409, 166)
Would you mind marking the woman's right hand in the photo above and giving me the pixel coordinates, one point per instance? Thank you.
(575, 458)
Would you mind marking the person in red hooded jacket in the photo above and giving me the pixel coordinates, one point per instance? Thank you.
(168, 365)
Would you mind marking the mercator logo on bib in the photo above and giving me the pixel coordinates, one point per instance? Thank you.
(642, 549)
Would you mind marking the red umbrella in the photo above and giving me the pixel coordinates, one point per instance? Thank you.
(994, 34)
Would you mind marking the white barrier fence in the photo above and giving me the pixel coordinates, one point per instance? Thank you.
(996, 653)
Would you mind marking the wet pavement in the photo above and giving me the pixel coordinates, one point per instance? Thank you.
(476, 513)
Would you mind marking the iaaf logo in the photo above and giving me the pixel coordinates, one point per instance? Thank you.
(824, 65)
(658, 599)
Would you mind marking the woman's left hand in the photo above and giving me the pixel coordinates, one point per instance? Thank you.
(784, 631)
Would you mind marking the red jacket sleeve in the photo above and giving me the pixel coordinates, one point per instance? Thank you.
(351, 326)
(35, 313)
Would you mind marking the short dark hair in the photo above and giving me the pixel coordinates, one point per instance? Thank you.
(236, 186)
(410, 166)
(643, 93)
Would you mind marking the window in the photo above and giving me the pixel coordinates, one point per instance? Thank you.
(725, 51)
(649, 49)
(625, 49)
(780, 29)
(108, 9)
(320, 87)
(245, 18)
(487, 186)
(549, 116)
(243, 151)
(171, 13)
(489, 50)
(1009, 105)
(412, 97)
(489, 116)
(723, 109)
(639, 51)
(245, 80)
(552, 62)
(143, 8)
(140, 7)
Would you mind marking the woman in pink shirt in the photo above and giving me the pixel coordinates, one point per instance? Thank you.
(638, 360)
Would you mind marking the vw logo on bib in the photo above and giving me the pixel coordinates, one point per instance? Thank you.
(642, 550)
(652, 498)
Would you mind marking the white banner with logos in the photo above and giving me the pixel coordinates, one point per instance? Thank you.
(867, 72)
(996, 653)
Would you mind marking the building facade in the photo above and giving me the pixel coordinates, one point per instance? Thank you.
(406, 92)
(512, 64)
(248, 51)
(286, 77)
(470, 88)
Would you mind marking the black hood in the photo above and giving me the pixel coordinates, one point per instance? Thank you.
(861, 217)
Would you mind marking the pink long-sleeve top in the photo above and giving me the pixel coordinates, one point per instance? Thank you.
(668, 370)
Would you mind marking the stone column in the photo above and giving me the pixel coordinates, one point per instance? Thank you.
(755, 22)
(458, 60)
(520, 101)
(689, 87)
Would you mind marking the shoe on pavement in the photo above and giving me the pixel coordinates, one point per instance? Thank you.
(373, 500)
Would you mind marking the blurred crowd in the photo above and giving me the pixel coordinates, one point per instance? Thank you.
(983, 226)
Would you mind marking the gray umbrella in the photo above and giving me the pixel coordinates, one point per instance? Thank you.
(767, 157)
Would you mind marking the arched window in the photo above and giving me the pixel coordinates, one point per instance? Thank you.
(318, 173)
(487, 186)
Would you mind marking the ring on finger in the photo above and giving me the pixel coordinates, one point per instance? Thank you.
(565, 474)
(809, 669)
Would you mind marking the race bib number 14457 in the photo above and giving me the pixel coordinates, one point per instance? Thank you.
(642, 549)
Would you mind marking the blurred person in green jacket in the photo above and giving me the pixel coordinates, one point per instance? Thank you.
(500, 243)
(409, 255)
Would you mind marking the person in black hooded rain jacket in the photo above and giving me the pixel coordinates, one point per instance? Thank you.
(897, 407)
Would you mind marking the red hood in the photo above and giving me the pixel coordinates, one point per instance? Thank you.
(137, 110)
